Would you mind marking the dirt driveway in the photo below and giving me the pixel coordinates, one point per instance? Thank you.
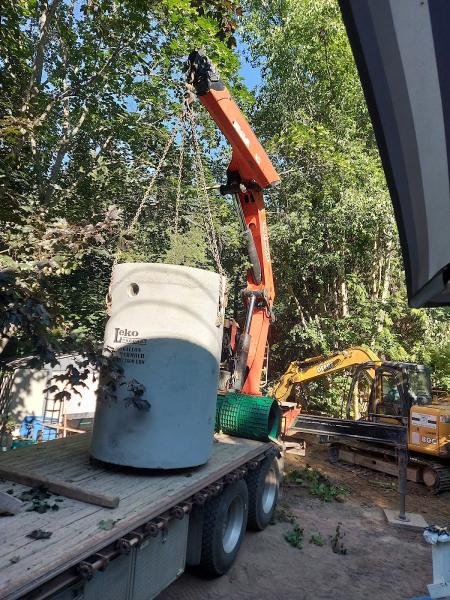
(380, 561)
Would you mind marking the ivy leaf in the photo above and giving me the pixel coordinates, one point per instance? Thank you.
(39, 534)
(106, 524)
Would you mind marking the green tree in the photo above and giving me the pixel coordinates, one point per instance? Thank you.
(334, 240)
(91, 92)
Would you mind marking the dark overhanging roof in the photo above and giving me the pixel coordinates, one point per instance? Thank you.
(402, 51)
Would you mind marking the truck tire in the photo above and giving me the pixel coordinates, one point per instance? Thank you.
(263, 486)
(224, 524)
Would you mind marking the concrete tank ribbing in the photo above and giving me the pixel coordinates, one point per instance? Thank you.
(165, 330)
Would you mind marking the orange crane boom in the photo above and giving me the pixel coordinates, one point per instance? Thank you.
(250, 172)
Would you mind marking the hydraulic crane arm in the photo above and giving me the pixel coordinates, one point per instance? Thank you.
(249, 172)
(321, 366)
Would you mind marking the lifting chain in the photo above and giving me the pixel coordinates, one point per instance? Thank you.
(203, 196)
(132, 225)
(124, 234)
(180, 174)
(208, 219)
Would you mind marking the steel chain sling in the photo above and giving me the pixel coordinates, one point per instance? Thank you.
(123, 234)
(132, 225)
(208, 219)
(180, 173)
(202, 193)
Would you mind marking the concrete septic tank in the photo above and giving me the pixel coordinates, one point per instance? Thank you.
(166, 330)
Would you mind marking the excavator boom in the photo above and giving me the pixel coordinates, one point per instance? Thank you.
(320, 366)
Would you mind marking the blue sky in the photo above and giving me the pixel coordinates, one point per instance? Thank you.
(251, 75)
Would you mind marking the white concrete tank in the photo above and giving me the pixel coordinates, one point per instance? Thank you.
(166, 328)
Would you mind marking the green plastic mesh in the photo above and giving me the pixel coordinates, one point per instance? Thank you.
(220, 399)
(253, 417)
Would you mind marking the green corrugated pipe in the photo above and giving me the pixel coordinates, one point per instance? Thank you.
(253, 417)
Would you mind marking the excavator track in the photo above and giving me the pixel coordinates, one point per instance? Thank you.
(435, 475)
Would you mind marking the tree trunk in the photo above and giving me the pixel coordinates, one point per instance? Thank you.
(299, 307)
(355, 402)
(343, 296)
(67, 138)
(385, 269)
(45, 21)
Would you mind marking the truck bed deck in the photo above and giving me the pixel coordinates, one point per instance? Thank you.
(25, 564)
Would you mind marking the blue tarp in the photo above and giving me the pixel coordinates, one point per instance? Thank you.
(32, 425)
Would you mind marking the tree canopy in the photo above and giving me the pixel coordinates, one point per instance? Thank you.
(91, 93)
(339, 271)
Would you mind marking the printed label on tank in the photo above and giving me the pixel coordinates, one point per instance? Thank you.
(131, 351)
(423, 420)
(131, 354)
(127, 336)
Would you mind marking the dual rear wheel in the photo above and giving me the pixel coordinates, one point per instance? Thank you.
(250, 503)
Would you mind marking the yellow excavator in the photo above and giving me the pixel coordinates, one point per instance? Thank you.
(300, 372)
(310, 369)
(392, 392)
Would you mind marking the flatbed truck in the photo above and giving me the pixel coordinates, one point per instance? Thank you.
(163, 522)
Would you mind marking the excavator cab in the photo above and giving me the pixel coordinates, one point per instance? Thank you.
(390, 400)
(396, 387)
(420, 385)
(387, 396)
(400, 386)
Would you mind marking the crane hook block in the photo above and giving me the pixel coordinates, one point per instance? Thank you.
(202, 74)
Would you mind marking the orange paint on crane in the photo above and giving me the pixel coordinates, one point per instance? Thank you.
(255, 172)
